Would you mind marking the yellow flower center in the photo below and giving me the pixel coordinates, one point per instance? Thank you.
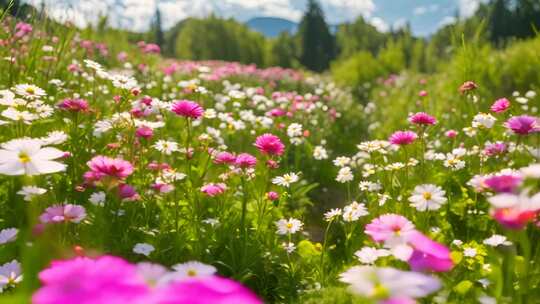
(30, 90)
(191, 273)
(289, 225)
(427, 196)
(24, 158)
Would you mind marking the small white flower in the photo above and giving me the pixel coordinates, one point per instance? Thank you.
(143, 248)
(286, 180)
(97, 198)
(427, 197)
(483, 120)
(496, 240)
(369, 255)
(319, 153)
(289, 247)
(166, 147)
(10, 274)
(354, 211)
(29, 192)
(469, 252)
(342, 161)
(192, 269)
(332, 214)
(289, 226)
(8, 235)
(26, 157)
(345, 175)
(29, 91)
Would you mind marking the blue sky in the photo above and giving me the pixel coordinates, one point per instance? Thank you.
(425, 16)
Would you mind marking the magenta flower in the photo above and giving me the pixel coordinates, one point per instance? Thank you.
(451, 133)
(74, 105)
(403, 138)
(213, 189)
(128, 193)
(83, 280)
(428, 255)
(108, 170)
(513, 218)
(144, 132)
(391, 229)
(523, 125)
(423, 93)
(245, 160)
(422, 118)
(273, 196)
(63, 214)
(269, 144)
(187, 108)
(224, 158)
(503, 182)
(500, 105)
(212, 289)
(467, 86)
(495, 149)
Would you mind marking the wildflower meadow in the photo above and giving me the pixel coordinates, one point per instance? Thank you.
(127, 176)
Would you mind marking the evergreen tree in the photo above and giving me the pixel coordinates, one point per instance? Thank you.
(317, 44)
(159, 37)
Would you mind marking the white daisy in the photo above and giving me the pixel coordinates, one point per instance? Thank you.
(166, 147)
(29, 192)
(286, 180)
(29, 91)
(496, 240)
(192, 269)
(98, 198)
(27, 157)
(289, 226)
(369, 255)
(10, 274)
(143, 248)
(427, 197)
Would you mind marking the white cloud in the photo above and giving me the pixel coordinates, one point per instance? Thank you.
(421, 10)
(446, 21)
(467, 8)
(399, 23)
(379, 24)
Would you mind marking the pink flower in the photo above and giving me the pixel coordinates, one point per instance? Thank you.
(128, 193)
(467, 86)
(523, 125)
(151, 48)
(500, 105)
(212, 289)
(63, 213)
(273, 196)
(74, 105)
(391, 229)
(245, 160)
(213, 189)
(451, 133)
(144, 132)
(108, 170)
(188, 109)
(269, 144)
(403, 138)
(276, 112)
(423, 93)
(503, 182)
(428, 254)
(83, 280)
(224, 158)
(513, 218)
(422, 118)
(495, 149)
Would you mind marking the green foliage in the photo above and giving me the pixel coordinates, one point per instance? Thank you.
(317, 44)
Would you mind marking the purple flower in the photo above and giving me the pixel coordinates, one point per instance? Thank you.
(403, 138)
(523, 125)
(503, 182)
(63, 213)
(495, 149)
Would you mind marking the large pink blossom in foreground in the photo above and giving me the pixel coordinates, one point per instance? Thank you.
(428, 255)
(523, 124)
(187, 108)
(112, 280)
(112, 169)
(269, 144)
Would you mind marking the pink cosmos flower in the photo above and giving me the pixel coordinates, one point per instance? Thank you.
(188, 109)
(500, 105)
(273, 196)
(423, 93)
(392, 229)
(451, 133)
(245, 160)
(144, 132)
(128, 193)
(428, 254)
(495, 149)
(224, 158)
(63, 213)
(276, 112)
(212, 289)
(467, 86)
(83, 280)
(111, 169)
(403, 138)
(513, 218)
(514, 211)
(523, 125)
(213, 189)
(269, 144)
(422, 118)
(74, 105)
(503, 182)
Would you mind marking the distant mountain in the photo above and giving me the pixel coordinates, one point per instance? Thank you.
(272, 26)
